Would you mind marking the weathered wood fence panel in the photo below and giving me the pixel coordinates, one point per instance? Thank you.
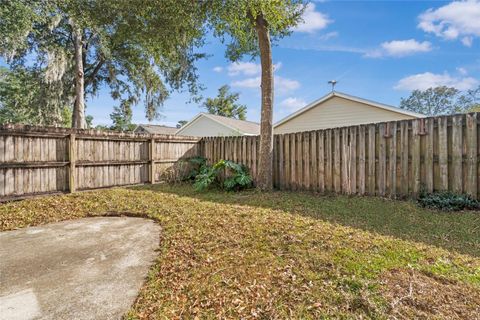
(35, 160)
(395, 159)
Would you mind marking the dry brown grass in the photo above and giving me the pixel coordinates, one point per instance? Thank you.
(412, 294)
(283, 255)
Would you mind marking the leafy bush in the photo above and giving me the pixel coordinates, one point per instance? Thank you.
(448, 201)
(205, 175)
(197, 165)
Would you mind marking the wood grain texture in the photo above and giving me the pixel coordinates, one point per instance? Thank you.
(49, 162)
(387, 159)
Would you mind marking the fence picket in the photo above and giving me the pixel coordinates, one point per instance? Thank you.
(471, 178)
(345, 162)
(361, 160)
(457, 153)
(371, 159)
(382, 160)
(306, 159)
(288, 170)
(443, 152)
(429, 147)
(300, 174)
(353, 160)
(404, 157)
(321, 161)
(314, 164)
(416, 156)
(337, 187)
(329, 161)
(392, 159)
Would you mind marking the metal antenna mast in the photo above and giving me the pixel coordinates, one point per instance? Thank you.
(333, 83)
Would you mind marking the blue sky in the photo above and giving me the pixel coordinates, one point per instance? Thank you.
(379, 50)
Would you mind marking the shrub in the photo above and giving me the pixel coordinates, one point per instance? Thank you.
(205, 175)
(197, 165)
(448, 201)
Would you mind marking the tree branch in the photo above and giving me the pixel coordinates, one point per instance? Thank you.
(89, 78)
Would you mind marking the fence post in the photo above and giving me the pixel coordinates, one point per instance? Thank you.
(72, 158)
(152, 160)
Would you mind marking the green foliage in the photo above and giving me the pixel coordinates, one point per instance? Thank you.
(197, 164)
(25, 97)
(441, 101)
(471, 100)
(234, 21)
(141, 51)
(225, 104)
(122, 118)
(89, 121)
(448, 201)
(181, 123)
(205, 175)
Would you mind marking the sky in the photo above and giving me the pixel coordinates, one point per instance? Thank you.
(377, 50)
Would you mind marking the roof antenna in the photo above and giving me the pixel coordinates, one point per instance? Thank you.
(333, 83)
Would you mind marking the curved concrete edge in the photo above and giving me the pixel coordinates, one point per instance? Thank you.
(91, 268)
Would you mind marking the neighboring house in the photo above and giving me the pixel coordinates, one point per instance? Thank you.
(339, 110)
(155, 129)
(209, 125)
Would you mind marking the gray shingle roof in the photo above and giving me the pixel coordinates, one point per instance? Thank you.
(156, 129)
(246, 127)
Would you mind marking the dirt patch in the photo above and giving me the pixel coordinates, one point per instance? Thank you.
(412, 294)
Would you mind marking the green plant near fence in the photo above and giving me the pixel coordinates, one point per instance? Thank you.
(204, 175)
(447, 201)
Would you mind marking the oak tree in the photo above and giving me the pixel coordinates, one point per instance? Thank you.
(141, 51)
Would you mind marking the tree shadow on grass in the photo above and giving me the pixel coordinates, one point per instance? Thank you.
(453, 231)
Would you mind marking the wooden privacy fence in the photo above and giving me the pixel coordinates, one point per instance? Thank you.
(35, 160)
(395, 159)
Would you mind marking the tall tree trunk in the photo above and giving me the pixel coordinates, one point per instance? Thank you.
(265, 167)
(78, 116)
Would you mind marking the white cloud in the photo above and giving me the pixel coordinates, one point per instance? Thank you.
(247, 83)
(467, 41)
(406, 47)
(423, 81)
(458, 19)
(462, 71)
(329, 35)
(218, 69)
(400, 48)
(245, 68)
(283, 85)
(248, 68)
(312, 20)
(277, 66)
(293, 103)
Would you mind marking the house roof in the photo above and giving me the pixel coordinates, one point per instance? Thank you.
(352, 98)
(242, 126)
(157, 129)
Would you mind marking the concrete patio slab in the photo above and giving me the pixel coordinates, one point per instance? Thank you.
(90, 268)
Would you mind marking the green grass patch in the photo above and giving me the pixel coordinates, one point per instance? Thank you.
(285, 254)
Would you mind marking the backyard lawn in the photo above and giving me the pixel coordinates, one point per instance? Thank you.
(287, 255)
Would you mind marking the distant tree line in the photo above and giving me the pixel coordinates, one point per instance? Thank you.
(442, 101)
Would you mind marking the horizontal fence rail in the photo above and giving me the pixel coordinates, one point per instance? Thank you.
(395, 159)
(36, 160)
